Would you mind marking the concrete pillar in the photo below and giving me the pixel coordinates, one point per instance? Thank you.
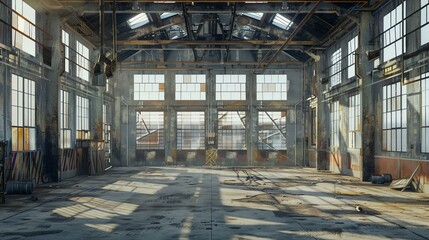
(323, 129)
(368, 98)
(252, 121)
(117, 150)
(121, 120)
(5, 86)
(170, 119)
(211, 112)
(49, 97)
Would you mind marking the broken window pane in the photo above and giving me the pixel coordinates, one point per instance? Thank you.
(149, 130)
(272, 131)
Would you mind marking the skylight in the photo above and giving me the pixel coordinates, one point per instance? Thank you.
(255, 15)
(167, 15)
(282, 22)
(138, 21)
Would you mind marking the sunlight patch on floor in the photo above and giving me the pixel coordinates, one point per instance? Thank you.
(95, 208)
(247, 237)
(103, 227)
(239, 221)
(136, 187)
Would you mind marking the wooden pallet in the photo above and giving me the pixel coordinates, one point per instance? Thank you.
(211, 157)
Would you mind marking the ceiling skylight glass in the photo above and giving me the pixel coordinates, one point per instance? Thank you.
(282, 22)
(167, 15)
(138, 20)
(255, 15)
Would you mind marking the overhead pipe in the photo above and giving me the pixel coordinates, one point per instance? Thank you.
(98, 67)
(189, 30)
(115, 48)
(101, 27)
(234, 12)
(293, 34)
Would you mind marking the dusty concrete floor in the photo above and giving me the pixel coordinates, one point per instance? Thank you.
(203, 203)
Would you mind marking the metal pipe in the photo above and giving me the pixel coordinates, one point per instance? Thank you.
(234, 13)
(101, 18)
(115, 39)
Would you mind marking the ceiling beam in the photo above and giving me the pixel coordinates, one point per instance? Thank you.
(202, 48)
(218, 43)
(127, 63)
(264, 65)
(215, 1)
(91, 7)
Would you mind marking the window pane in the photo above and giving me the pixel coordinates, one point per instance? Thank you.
(190, 130)
(190, 87)
(231, 130)
(26, 26)
(392, 36)
(425, 112)
(230, 87)
(394, 118)
(335, 68)
(149, 87)
(271, 87)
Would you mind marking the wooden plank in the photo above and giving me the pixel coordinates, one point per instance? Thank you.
(399, 183)
(412, 177)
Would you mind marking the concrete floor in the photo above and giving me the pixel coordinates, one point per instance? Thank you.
(202, 203)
